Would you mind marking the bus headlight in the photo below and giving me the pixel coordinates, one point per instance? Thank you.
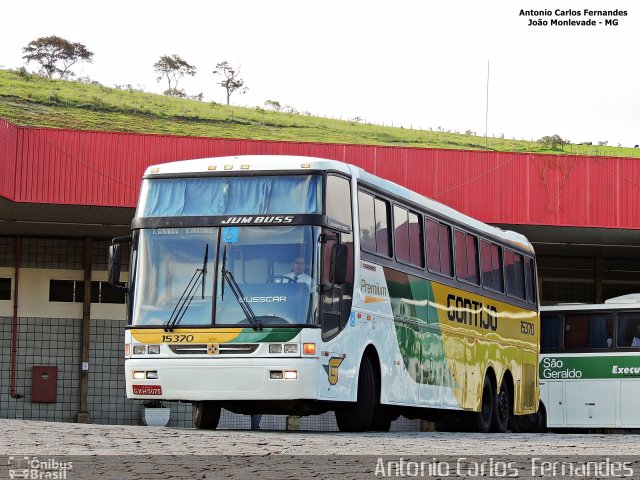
(139, 349)
(291, 348)
(290, 375)
(153, 349)
(139, 375)
(275, 348)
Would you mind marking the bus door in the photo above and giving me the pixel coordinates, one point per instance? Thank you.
(555, 405)
(336, 284)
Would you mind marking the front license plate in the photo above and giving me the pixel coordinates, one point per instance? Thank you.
(147, 390)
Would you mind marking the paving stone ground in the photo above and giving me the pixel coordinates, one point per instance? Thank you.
(110, 451)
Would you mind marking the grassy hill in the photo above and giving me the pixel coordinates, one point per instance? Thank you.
(27, 99)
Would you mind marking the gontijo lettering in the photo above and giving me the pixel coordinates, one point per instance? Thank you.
(471, 312)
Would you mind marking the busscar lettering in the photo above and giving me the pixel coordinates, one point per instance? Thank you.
(472, 313)
(267, 299)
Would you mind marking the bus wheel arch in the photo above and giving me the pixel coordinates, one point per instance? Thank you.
(358, 416)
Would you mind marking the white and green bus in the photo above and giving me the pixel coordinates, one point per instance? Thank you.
(590, 365)
(296, 285)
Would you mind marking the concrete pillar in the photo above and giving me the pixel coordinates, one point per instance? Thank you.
(83, 414)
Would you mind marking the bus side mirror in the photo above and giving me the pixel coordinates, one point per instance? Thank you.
(113, 269)
(339, 259)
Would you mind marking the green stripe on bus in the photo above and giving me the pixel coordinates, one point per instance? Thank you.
(574, 368)
(419, 338)
(249, 335)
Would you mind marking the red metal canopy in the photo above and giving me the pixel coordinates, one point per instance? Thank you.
(68, 167)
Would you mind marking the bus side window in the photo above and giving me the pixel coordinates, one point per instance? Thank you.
(629, 330)
(551, 332)
(439, 247)
(514, 264)
(587, 331)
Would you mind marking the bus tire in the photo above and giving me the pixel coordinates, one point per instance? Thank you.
(358, 416)
(502, 409)
(381, 422)
(482, 420)
(206, 415)
(532, 423)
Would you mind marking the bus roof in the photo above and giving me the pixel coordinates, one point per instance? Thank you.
(249, 163)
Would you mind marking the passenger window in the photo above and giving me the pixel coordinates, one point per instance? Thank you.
(588, 330)
(514, 266)
(439, 247)
(491, 256)
(629, 330)
(530, 274)
(382, 229)
(466, 257)
(408, 237)
(367, 218)
(551, 332)
(401, 228)
(416, 245)
(374, 221)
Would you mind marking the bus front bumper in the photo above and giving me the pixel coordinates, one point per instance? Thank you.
(222, 379)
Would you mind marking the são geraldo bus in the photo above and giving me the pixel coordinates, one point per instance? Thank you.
(409, 306)
(590, 365)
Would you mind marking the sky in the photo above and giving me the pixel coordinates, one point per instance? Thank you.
(410, 63)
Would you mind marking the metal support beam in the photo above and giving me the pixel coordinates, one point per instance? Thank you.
(599, 268)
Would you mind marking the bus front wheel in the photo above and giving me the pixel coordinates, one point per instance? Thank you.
(206, 415)
(357, 417)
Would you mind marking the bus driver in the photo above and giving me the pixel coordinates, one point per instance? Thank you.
(297, 273)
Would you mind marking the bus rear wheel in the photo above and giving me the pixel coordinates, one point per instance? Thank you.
(206, 415)
(358, 416)
(502, 409)
(481, 421)
(532, 423)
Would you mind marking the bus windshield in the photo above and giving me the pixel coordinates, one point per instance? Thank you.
(181, 271)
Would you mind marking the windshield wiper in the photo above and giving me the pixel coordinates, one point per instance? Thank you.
(244, 305)
(188, 293)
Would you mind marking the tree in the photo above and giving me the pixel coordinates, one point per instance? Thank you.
(56, 55)
(231, 81)
(173, 68)
(553, 141)
(273, 104)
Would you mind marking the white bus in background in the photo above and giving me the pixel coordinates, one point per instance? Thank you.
(590, 365)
